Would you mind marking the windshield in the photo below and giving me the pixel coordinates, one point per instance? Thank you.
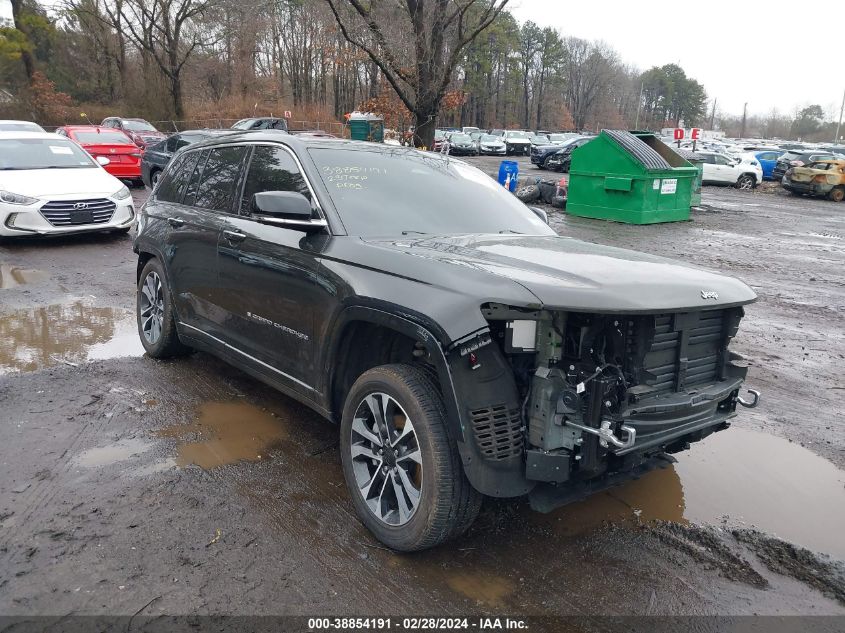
(37, 153)
(137, 125)
(243, 124)
(489, 138)
(405, 191)
(557, 138)
(438, 134)
(460, 138)
(20, 126)
(516, 134)
(102, 138)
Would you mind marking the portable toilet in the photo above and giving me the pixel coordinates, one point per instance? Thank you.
(366, 126)
(629, 177)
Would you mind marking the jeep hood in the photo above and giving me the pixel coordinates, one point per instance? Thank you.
(565, 273)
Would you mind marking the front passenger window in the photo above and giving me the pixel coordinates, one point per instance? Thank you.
(271, 169)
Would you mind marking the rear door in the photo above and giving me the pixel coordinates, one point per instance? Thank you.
(267, 286)
(194, 227)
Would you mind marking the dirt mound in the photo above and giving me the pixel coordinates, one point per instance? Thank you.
(791, 560)
(706, 546)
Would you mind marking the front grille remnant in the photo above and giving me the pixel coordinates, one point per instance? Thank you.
(686, 350)
(498, 431)
(73, 212)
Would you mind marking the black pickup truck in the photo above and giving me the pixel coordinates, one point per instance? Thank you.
(464, 348)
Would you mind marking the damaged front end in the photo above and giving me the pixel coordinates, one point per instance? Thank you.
(563, 404)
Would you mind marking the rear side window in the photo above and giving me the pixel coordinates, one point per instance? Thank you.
(271, 169)
(194, 181)
(220, 177)
(175, 181)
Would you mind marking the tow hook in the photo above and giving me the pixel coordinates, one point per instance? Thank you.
(606, 436)
(753, 403)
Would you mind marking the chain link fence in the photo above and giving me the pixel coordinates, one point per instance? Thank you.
(171, 126)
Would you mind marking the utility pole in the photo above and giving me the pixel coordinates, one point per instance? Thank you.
(713, 115)
(839, 125)
(640, 103)
(744, 113)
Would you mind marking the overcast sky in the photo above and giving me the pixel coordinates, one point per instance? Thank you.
(741, 51)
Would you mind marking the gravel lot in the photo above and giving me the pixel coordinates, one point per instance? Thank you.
(124, 487)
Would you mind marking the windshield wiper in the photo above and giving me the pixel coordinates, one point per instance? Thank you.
(415, 232)
(510, 231)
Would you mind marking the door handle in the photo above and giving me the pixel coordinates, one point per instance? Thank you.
(233, 237)
(175, 222)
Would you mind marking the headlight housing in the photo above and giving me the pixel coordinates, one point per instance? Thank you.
(15, 198)
(122, 193)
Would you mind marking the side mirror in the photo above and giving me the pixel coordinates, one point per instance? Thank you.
(102, 160)
(540, 213)
(289, 209)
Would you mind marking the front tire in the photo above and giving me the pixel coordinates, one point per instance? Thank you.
(401, 462)
(837, 194)
(154, 314)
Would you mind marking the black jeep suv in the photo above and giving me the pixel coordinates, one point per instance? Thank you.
(462, 346)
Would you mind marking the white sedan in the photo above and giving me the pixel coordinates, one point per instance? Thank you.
(744, 172)
(50, 185)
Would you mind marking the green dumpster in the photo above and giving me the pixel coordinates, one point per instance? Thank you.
(366, 127)
(629, 177)
(695, 159)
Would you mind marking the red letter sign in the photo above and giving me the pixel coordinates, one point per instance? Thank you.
(287, 114)
(679, 133)
(695, 133)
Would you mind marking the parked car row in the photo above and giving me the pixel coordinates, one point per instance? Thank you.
(499, 141)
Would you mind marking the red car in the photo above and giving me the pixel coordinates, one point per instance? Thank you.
(124, 157)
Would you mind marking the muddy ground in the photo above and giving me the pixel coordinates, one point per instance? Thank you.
(129, 485)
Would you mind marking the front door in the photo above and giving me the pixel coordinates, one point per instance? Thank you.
(267, 275)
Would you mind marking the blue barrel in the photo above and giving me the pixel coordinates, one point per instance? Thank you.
(509, 168)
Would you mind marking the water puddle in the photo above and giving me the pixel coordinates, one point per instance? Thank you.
(226, 433)
(120, 451)
(69, 333)
(735, 478)
(486, 588)
(14, 276)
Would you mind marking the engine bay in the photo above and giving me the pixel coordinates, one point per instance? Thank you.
(602, 393)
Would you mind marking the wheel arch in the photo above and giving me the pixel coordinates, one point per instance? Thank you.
(400, 339)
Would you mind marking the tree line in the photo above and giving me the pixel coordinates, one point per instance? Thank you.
(421, 62)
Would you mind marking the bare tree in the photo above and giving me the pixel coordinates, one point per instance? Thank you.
(166, 30)
(419, 70)
(19, 21)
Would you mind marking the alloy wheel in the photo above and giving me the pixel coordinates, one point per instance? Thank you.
(386, 459)
(152, 308)
(746, 182)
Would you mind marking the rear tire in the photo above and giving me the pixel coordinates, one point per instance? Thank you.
(837, 194)
(746, 182)
(154, 176)
(155, 315)
(423, 496)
